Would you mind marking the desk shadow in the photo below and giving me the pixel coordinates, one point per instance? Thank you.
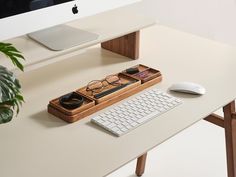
(47, 120)
(183, 95)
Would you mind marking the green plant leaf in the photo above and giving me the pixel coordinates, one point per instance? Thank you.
(6, 115)
(10, 96)
(9, 85)
(13, 54)
(2, 45)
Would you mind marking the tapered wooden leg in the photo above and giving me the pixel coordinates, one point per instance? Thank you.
(140, 167)
(230, 136)
(127, 45)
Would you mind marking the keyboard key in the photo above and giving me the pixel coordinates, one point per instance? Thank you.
(133, 124)
(114, 129)
(124, 129)
(111, 125)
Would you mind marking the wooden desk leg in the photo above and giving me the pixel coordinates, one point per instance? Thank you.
(140, 167)
(230, 137)
(127, 45)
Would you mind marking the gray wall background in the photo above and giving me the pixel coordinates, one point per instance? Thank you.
(215, 19)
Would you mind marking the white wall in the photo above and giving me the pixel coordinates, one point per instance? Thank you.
(215, 19)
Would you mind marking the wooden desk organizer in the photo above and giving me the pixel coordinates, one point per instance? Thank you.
(92, 105)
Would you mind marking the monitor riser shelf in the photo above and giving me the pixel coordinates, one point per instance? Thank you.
(118, 30)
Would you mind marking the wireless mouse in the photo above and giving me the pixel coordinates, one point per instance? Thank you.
(188, 87)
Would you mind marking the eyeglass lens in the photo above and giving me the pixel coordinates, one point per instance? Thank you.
(97, 86)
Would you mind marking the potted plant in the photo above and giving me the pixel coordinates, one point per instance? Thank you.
(10, 95)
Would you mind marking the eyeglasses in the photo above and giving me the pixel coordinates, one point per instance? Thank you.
(96, 86)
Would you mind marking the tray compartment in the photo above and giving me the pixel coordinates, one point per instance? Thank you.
(145, 73)
(88, 103)
(124, 79)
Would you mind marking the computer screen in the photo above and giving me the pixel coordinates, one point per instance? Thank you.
(14, 7)
(20, 17)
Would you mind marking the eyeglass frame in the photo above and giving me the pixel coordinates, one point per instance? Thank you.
(103, 86)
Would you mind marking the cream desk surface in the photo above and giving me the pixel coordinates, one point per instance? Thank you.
(37, 144)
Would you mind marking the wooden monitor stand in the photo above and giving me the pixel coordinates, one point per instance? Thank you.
(127, 45)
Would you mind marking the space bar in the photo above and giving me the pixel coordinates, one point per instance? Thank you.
(148, 117)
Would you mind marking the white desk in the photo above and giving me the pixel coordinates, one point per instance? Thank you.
(38, 144)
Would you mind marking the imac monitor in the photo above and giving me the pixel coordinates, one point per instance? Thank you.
(42, 20)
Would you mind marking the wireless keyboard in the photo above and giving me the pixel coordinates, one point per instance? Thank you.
(132, 113)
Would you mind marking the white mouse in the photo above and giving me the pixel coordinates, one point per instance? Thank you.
(188, 87)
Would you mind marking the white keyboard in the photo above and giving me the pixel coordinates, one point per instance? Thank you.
(134, 112)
